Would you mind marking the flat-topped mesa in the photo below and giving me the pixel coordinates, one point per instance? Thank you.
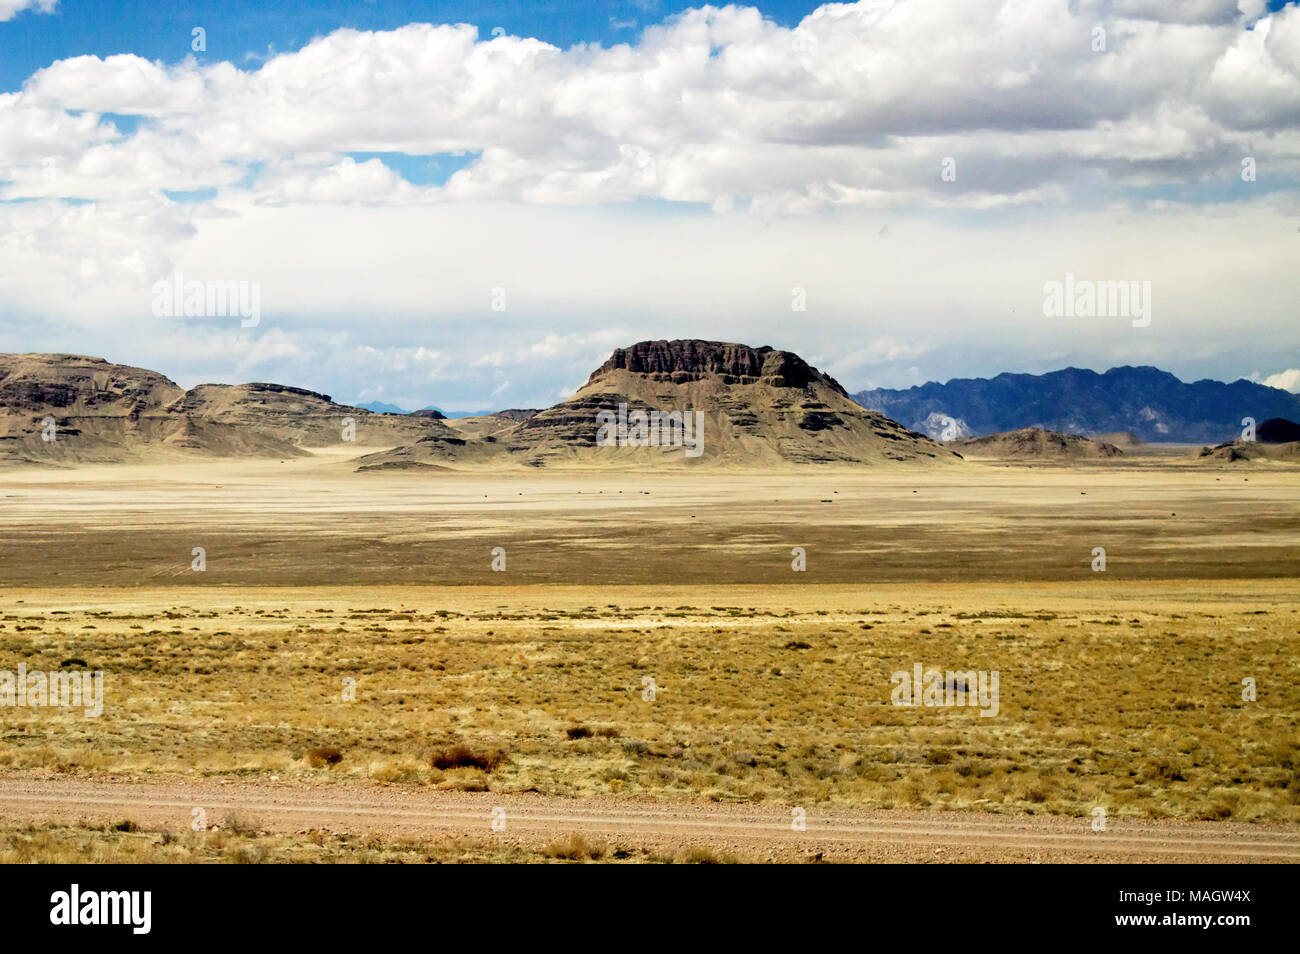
(749, 407)
(692, 359)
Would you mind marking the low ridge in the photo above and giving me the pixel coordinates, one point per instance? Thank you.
(1036, 443)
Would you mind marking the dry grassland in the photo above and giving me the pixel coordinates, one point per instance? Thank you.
(236, 842)
(772, 687)
(1122, 695)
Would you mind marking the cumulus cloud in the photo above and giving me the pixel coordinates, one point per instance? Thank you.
(858, 104)
(1185, 11)
(396, 302)
(1288, 380)
(345, 180)
(678, 184)
(11, 8)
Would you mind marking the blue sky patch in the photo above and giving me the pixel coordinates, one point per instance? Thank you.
(428, 170)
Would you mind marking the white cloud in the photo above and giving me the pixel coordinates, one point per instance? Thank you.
(359, 296)
(343, 181)
(857, 105)
(592, 172)
(1288, 380)
(1184, 11)
(851, 363)
(11, 8)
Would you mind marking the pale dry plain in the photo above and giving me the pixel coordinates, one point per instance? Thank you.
(1120, 690)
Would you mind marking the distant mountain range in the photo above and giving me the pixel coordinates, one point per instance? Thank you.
(1148, 402)
(382, 407)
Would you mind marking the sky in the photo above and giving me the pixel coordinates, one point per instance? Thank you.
(471, 204)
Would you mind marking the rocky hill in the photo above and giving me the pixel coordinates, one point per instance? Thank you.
(1277, 430)
(754, 407)
(1152, 404)
(1035, 443)
(67, 409)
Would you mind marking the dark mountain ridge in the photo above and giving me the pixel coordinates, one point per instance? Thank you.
(1151, 403)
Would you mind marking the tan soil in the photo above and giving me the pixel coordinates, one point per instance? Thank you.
(750, 832)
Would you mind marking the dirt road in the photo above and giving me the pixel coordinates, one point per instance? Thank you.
(749, 832)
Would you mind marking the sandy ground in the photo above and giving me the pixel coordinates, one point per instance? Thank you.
(314, 521)
(758, 834)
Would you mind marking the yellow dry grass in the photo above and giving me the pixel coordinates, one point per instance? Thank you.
(125, 843)
(1126, 695)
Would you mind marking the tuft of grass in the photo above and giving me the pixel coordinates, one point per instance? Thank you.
(574, 848)
(1219, 811)
(700, 855)
(323, 756)
(236, 824)
(575, 732)
(462, 756)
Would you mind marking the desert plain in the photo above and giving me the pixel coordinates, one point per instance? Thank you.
(645, 675)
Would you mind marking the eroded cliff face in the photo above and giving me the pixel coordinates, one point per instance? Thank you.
(62, 409)
(757, 407)
(691, 359)
(748, 407)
